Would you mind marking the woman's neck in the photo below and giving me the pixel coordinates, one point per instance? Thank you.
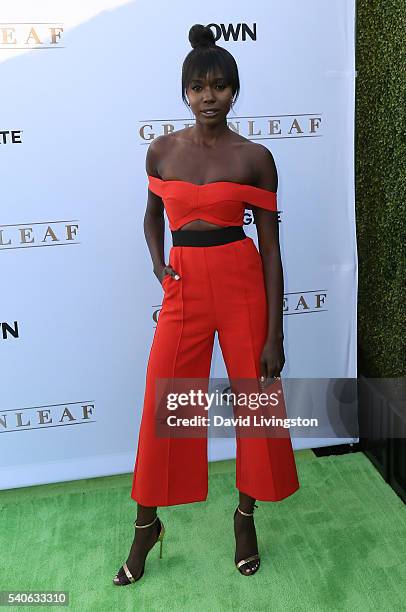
(209, 136)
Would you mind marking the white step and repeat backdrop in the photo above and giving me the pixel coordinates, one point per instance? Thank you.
(86, 87)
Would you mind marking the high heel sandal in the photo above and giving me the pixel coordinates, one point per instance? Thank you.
(241, 564)
(119, 581)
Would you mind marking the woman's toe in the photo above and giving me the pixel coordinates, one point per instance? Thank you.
(118, 578)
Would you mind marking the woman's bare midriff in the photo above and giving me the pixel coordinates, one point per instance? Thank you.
(199, 224)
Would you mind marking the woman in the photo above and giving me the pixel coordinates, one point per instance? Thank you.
(216, 280)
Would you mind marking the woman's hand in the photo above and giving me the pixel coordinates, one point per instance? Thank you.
(272, 358)
(165, 271)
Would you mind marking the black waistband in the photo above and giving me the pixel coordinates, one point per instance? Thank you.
(208, 237)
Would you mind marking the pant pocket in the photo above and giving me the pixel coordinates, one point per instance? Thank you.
(164, 281)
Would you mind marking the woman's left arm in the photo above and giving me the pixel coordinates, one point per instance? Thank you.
(267, 224)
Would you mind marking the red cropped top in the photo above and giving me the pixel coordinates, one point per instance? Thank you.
(222, 202)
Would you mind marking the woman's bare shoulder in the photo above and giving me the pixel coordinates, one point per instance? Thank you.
(261, 158)
(162, 146)
(155, 152)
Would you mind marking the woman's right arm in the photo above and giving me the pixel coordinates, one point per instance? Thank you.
(154, 222)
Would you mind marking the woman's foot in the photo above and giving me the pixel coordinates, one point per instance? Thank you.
(246, 542)
(144, 540)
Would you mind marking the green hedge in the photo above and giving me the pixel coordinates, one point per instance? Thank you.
(380, 160)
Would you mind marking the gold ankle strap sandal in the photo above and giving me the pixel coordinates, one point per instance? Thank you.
(240, 565)
(130, 578)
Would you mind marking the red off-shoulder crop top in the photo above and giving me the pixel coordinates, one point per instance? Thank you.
(222, 203)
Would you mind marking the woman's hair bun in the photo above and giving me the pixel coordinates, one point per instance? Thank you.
(201, 36)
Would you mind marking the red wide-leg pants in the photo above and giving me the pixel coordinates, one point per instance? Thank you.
(221, 288)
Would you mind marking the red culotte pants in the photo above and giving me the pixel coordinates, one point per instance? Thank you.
(221, 288)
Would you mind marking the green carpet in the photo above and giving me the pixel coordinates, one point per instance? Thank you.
(336, 544)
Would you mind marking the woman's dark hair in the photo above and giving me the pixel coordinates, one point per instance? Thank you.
(206, 57)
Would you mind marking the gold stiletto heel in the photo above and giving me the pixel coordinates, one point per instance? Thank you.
(240, 564)
(161, 539)
(130, 578)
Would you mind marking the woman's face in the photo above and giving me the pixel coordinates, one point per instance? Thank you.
(210, 98)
